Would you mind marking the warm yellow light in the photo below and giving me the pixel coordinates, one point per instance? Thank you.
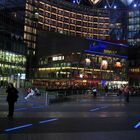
(104, 64)
(118, 65)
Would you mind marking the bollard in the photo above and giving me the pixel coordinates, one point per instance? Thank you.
(46, 99)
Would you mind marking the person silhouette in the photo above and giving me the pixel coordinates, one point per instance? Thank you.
(12, 97)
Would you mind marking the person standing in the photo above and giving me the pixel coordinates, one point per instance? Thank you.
(37, 92)
(94, 90)
(12, 97)
(126, 92)
(106, 90)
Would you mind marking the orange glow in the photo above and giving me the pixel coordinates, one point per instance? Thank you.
(118, 65)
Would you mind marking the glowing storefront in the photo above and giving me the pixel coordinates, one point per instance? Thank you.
(88, 64)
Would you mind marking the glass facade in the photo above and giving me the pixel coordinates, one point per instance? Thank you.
(134, 27)
(12, 46)
(70, 67)
(30, 26)
(64, 18)
(104, 61)
(87, 71)
(77, 23)
(11, 64)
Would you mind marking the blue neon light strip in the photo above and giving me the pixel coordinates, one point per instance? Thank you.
(38, 107)
(20, 109)
(137, 125)
(95, 109)
(100, 53)
(104, 107)
(123, 45)
(21, 101)
(18, 127)
(46, 121)
(34, 107)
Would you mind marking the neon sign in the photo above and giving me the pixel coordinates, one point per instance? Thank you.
(110, 52)
(97, 46)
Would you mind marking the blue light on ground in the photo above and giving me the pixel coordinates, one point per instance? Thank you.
(18, 109)
(98, 108)
(46, 121)
(22, 101)
(18, 127)
(137, 125)
(38, 107)
(95, 109)
(34, 107)
(103, 107)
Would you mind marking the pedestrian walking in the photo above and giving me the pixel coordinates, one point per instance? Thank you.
(94, 90)
(37, 92)
(106, 90)
(126, 93)
(12, 97)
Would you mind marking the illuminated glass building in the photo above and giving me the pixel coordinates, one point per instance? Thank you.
(59, 16)
(134, 42)
(65, 18)
(66, 60)
(12, 47)
(134, 27)
(28, 17)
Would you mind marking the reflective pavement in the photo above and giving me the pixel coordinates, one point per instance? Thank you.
(79, 117)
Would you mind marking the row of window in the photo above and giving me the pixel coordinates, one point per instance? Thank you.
(102, 34)
(135, 70)
(12, 58)
(95, 30)
(53, 9)
(134, 20)
(8, 70)
(134, 13)
(134, 35)
(29, 37)
(71, 73)
(75, 58)
(58, 20)
(71, 22)
(52, 17)
(134, 27)
(66, 18)
(29, 29)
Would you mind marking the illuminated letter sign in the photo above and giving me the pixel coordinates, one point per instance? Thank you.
(99, 46)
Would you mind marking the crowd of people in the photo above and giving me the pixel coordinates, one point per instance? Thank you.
(12, 93)
(124, 91)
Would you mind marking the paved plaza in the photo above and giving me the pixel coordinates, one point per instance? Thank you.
(78, 117)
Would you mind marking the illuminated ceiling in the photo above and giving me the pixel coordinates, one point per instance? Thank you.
(94, 1)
